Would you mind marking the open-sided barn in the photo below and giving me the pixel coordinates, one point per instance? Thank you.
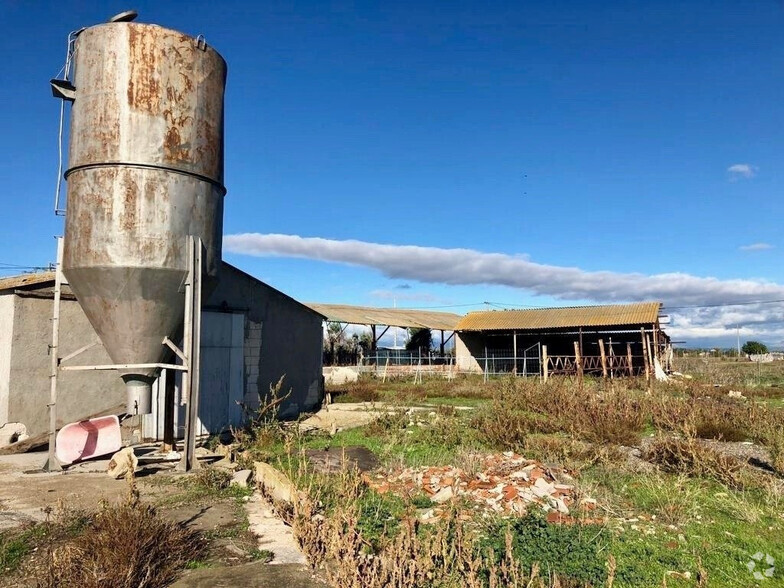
(618, 340)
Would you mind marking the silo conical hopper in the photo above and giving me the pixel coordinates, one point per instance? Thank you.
(145, 172)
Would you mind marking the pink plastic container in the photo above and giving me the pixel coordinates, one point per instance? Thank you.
(86, 439)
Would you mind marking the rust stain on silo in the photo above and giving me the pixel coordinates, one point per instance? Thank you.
(144, 56)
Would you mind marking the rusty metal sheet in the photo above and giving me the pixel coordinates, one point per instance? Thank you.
(558, 318)
(24, 280)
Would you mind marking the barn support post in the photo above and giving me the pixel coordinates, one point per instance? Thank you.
(655, 332)
(604, 358)
(441, 348)
(629, 359)
(578, 361)
(646, 364)
(650, 354)
(544, 363)
(514, 351)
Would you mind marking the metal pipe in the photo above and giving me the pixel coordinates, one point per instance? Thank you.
(52, 463)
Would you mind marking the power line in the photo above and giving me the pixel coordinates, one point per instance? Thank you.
(719, 305)
(15, 266)
(509, 306)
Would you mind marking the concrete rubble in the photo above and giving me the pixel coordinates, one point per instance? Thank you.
(338, 376)
(274, 483)
(12, 433)
(505, 483)
(122, 462)
(241, 478)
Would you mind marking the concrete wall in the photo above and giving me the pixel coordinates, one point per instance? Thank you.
(469, 346)
(6, 337)
(282, 338)
(80, 394)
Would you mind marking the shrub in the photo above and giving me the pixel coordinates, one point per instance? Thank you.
(694, 458)
(570, 552)
(123, 546)
(522, 408)
(754, 348)
(213, 479)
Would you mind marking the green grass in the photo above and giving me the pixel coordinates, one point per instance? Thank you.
(264, 555)
(411, 445)
(699, 523)
(685, 527)
(195, 489)
(15, 545)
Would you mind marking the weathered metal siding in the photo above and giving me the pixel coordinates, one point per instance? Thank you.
(557, 318)
(145, 171)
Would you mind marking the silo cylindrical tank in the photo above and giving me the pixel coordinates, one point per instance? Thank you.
(145, 172)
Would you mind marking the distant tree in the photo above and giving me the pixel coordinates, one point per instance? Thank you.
(419, 339)
(335, 337)
(754, 348)
(366, 342)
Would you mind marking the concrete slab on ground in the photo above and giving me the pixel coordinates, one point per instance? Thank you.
(334, 459)
(344, 415)
(274, 535)
(251, 575)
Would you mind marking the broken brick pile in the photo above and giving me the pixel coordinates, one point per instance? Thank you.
(504, 483)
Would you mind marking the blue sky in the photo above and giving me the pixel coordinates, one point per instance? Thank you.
(596, 136)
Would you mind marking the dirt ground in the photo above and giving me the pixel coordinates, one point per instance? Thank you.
(27, 494)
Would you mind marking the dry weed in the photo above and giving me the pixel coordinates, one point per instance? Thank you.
(123, 546)
(691, 457)
(525, 407)
(444, 554)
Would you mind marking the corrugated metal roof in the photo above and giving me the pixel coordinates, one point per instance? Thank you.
(559, 318)
(393, 317)
(23, 280)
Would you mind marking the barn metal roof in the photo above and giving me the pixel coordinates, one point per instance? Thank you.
(23, 280)
(642, 313)
(392, 317)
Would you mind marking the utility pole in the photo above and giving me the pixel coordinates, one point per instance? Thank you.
(738, 332)
(394, 305)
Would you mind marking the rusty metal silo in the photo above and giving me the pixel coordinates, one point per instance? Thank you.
(145, 172)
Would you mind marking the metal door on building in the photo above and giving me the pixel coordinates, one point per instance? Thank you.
(221, 380)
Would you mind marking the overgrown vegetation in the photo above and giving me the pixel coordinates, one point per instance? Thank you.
(123, 546)
(363, 539)
(680, 501)
(684, 502)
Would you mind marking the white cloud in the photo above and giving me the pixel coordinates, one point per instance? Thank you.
(398, 295)
(467, 266)
(742, 170)
(756, 247)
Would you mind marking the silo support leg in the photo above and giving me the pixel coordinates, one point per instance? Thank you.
(192, 345)
(52, 463)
